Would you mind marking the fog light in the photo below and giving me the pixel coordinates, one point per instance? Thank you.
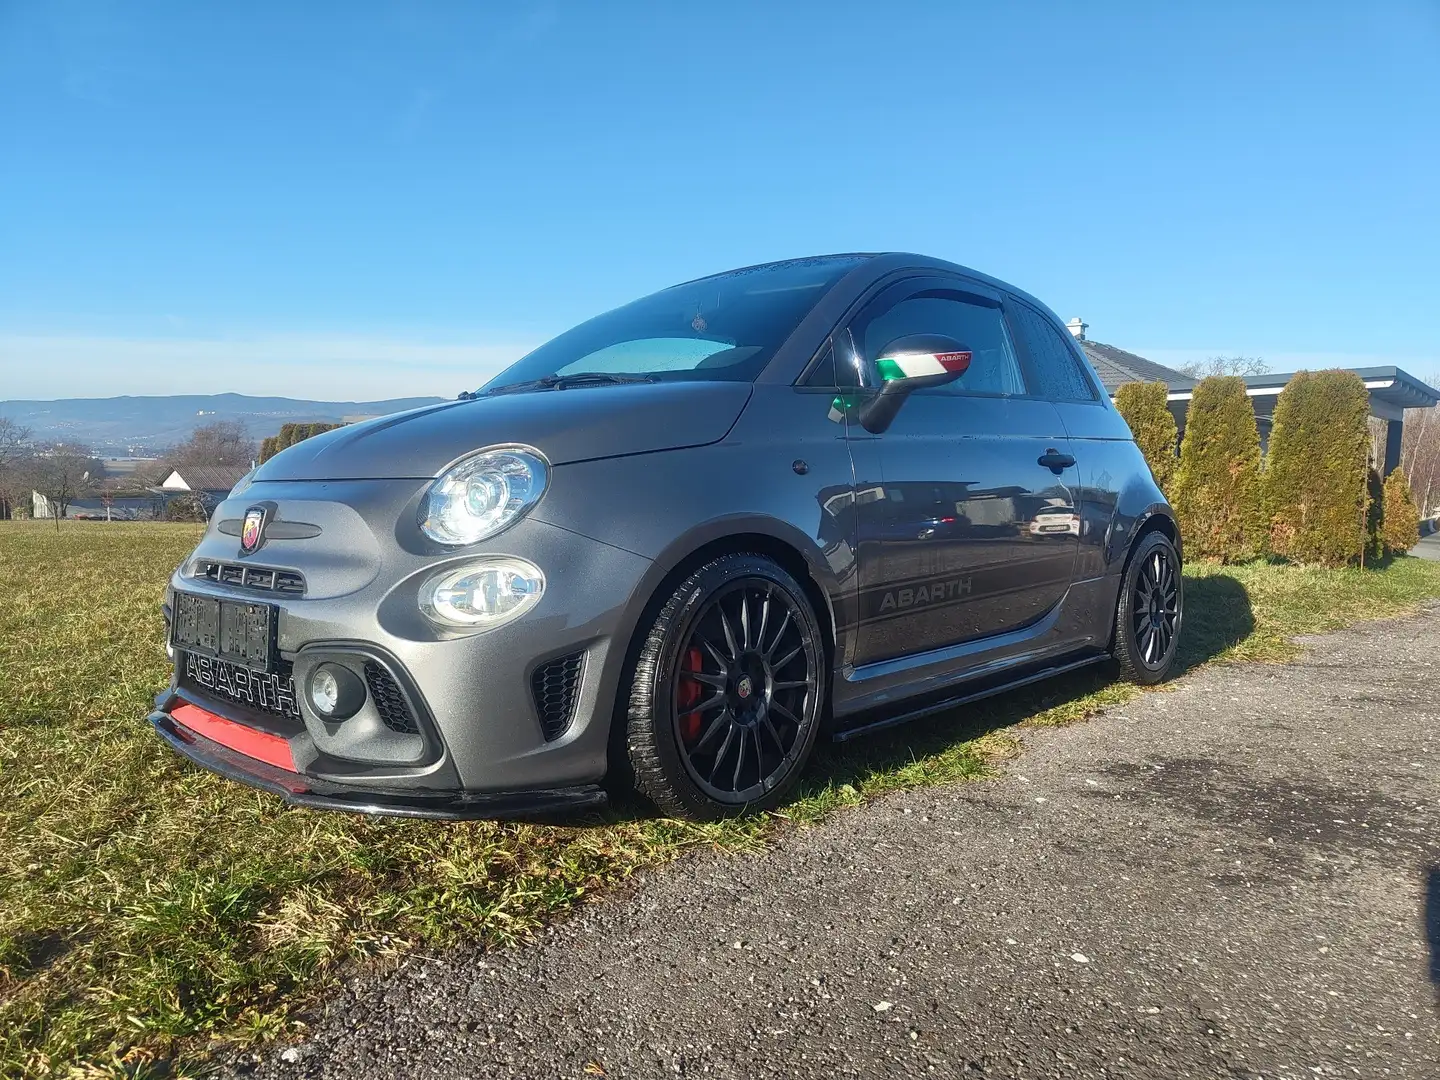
(483, 594)
(336, 692)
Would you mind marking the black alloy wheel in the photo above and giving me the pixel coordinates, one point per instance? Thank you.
(728, 690)
(1150, 610)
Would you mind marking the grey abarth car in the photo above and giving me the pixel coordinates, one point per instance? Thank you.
(674, 547)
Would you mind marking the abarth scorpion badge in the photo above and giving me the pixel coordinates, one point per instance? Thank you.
(252, 532)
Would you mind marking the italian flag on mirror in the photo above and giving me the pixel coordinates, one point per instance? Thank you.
(914, 365)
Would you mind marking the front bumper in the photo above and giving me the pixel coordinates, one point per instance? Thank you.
(300, 790)
(480, 744)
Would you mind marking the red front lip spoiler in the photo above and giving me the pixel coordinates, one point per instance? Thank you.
(261, 745)
(548, 805)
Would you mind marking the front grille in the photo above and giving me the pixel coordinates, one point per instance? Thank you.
(272, 693)
(389, 701)
(286, 582)
(556, 685)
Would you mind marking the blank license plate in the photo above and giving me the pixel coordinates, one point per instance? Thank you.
(225, 629)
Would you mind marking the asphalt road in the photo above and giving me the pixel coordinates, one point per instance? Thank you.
(1230, 879)
(1428, 548)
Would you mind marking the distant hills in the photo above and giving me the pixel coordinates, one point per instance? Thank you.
(143, 426)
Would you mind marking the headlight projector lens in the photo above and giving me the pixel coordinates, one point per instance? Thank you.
(483, 494)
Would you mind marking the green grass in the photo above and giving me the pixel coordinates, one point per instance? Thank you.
(149, 911)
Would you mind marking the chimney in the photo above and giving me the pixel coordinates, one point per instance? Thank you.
(1077, 327)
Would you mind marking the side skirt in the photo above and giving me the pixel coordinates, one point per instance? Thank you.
(965, 698)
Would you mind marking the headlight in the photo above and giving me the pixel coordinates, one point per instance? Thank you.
(483, 594)
(482, 494)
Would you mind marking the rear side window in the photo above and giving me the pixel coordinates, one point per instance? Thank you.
(1056, 371)
(993, 369)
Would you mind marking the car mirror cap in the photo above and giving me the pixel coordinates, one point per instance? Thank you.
(908, 364)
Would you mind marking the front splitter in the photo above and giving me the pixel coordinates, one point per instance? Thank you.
(300, 790)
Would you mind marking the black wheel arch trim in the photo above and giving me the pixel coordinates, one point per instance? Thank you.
(683, 550)
(1128, 525)
(1144, 521)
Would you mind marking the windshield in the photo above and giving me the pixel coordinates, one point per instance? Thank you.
(725, 327)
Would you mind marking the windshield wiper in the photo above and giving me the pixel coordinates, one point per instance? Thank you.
(564, 382)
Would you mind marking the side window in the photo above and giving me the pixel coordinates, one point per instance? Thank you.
(1053, 363)
(980, 326)
(822, 372)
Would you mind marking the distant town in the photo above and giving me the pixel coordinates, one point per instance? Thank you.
(152, 458)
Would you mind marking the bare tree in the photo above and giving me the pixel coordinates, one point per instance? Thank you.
(225, 442)
(192, 506)
(14, 441)
(63, 473)
(1225, 365)
(15, 453)
(1420, 457)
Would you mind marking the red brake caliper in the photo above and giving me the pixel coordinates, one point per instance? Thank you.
(688, 694)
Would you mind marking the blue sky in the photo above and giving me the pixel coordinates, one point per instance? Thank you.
(358, 200)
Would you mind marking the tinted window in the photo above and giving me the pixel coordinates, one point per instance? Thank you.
(993, 369)
(725, 327)
(1057, 372)
(823, 371)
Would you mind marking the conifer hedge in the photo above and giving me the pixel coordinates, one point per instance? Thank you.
(1374, 510)
(1146, 410)
(289, 435)
(1315, 476)
(1399, 516)
(1217, 494)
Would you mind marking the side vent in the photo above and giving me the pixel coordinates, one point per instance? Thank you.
(394, 710)
(556, 686)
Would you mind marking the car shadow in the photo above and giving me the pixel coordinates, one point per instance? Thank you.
(1218, 615)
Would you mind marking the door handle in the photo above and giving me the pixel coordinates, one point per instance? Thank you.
(1053, 459)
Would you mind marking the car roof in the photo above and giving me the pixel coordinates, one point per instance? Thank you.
(877, 264)
(870, 270)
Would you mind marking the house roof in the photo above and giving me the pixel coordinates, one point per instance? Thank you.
(205, 478)
(1391, 385)
(1116, 367)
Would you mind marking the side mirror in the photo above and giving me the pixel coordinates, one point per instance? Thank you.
(906, 365)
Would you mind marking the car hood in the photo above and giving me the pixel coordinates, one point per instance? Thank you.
(577, 424)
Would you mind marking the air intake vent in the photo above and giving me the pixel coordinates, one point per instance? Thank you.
(556, 685)
(389, 701)
(260, 578)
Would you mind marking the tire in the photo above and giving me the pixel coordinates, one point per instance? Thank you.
(727, 693)
(1149, 611)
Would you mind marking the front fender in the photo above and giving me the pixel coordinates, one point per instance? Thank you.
(679, 502)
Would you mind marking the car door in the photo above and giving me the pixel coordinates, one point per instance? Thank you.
(970, 526)
(1057, 367)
